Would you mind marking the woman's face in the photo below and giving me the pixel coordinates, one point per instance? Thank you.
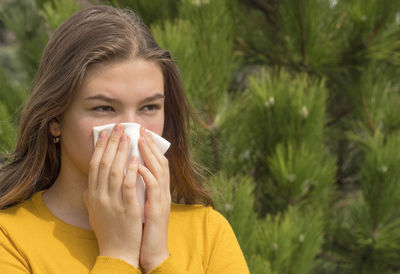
(129, 91)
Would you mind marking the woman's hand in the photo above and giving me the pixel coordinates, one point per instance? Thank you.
(155, 173)
(114, 211)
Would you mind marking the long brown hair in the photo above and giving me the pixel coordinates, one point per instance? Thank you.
(91, 36)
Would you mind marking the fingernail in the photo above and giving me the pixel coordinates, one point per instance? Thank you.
(103, 134)
(124, 138)
(117, 128)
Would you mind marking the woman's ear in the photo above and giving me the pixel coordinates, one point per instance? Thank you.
(54, 127)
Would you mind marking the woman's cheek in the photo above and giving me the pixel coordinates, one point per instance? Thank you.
(155, 124)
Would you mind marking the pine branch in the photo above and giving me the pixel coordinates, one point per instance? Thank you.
(267, 10)
(303, 33)
(335, 243)
(281, 193)
(338, 25)
(375, 223)
(332, 258)
(272, 58)
(262, 6)
(366, 111)
(303, 197)
(339, 114)
(209, 108)
(216, 149)
(204, 125)
(377, 29)
(363, 44)
(212, 134)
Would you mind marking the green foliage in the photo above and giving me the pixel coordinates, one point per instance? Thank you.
(151, 11)
(276, 108)
(259, 265)
(381, 165)
(305, 33)
(302, 176)
(291, 241)
(58, 11)
(377, 98)
(360, 245)
(288, 242)
(7, 130)
(201, 42)
(10, 96)
(234, 199)
(23, 19)
(366, 232)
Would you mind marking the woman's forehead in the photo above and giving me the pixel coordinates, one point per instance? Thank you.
(119, 79)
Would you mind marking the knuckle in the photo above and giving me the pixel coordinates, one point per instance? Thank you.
(100, 144)
(114, 138)
(129, 186)
(104, 163)
(131, 168)
(102, 201)
(114, 173)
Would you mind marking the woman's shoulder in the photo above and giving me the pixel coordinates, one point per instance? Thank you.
(196, 213)
(20, 215)
(191, 210)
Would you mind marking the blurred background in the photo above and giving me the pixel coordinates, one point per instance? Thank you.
(298, 105)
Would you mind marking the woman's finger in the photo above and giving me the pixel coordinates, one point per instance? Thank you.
(155, 160)
(95, 161)
(152, 145)
(148, 156)
(117, 171)
(129, 195)
(152, 186)
(108, 158)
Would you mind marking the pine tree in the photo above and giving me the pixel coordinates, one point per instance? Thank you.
(297, 104)
(30, 23)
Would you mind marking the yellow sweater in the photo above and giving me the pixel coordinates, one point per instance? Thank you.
(33, 240)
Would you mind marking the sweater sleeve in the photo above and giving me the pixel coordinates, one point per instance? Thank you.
(108, 265)
(225, 253)
(11, 260)
(168, 267)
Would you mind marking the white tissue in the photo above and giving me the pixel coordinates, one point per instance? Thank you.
(133, 130)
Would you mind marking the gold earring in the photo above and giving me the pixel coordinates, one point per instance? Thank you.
(56, 139)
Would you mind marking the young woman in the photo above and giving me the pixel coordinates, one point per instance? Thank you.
(69, 207)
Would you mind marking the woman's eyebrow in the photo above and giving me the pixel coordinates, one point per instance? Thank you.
(154, 97)
(113, 100)
(102, 98)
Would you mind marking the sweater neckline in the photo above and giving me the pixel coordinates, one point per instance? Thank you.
(48, 216)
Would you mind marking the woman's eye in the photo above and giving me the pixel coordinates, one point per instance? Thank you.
(151, 107)
(103, 108)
